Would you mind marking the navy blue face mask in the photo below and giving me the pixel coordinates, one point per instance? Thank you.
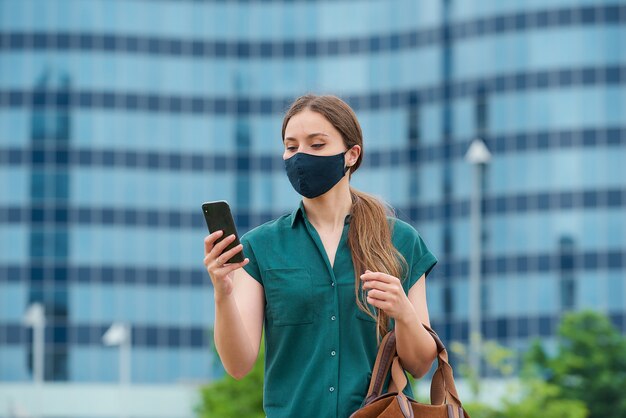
(314, 175)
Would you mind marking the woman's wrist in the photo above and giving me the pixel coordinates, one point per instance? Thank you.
(222, 298)
(408, 316)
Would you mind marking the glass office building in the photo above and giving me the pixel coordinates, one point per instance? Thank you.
(118, 118)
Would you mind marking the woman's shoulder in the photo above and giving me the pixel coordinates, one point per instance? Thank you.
(267, 229)
(404, 235)
(400, 229)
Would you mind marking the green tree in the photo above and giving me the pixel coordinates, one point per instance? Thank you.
(530, 397)
(589, 365)
(231, 398)
(536, 398)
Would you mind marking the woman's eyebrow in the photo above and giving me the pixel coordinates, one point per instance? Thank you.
(309, 136)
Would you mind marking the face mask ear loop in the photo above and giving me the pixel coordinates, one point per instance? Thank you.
(347, 167)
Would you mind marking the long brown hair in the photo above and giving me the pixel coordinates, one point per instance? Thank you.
(369, 236)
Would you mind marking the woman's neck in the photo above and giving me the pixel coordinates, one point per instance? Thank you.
(329, 211)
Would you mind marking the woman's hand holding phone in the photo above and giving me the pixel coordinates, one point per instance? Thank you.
(215, 261)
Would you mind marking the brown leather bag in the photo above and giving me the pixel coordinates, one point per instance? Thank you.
(444, 399)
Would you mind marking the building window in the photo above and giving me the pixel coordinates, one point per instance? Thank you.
(481, 112)
(448, 240)
(448, 300)
(413, 136)
(566, 254)
(568, 293)
(567, 276)
(413, 129)
(484, 298)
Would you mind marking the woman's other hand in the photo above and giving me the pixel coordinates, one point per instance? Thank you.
(216, 264)
(385, 292)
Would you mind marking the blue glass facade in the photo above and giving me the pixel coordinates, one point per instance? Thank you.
(119, 118)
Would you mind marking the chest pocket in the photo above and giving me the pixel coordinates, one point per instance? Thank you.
(289, 297)
(363, 316)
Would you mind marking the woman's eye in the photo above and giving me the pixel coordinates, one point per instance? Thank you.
(291, 148)
(317, 145)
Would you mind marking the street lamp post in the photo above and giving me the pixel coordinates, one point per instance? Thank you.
(36, 319)
(478, 155)
(119, 334)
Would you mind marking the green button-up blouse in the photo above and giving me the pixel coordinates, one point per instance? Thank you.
(319, 346)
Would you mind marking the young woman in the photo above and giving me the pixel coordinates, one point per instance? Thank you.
(326, 281)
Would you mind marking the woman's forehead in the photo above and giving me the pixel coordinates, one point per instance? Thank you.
(307, 123)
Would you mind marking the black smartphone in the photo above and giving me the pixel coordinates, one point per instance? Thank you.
(218, 217)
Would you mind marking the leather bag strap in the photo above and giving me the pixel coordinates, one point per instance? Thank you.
(399, 378)
(442, 388)
(384, 358)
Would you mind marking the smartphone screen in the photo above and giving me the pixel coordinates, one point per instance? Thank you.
(218, 217)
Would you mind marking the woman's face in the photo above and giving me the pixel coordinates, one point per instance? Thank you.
(309, 132)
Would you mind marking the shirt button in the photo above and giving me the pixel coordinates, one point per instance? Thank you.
(332, 318)
(332, 353)
(332, 389)
(332, 284)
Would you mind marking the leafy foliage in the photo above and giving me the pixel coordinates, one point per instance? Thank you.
(231, 398)
(541, 399)
(590, 364)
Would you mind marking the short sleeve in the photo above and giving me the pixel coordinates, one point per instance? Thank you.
(252, 268)
(423, 261)
(420, 261)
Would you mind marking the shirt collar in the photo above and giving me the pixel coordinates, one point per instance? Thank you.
(300, 213)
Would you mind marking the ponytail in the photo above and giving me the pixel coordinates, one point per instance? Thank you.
(369, 240)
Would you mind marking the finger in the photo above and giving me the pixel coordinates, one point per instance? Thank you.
(367, 273)
(211, 262)
(369, 276)
(222, 259)
(227, 255)
(376, 284)
(209, 240)
(220, 246)
(377, 295)
(376, 303)
(235, 266)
